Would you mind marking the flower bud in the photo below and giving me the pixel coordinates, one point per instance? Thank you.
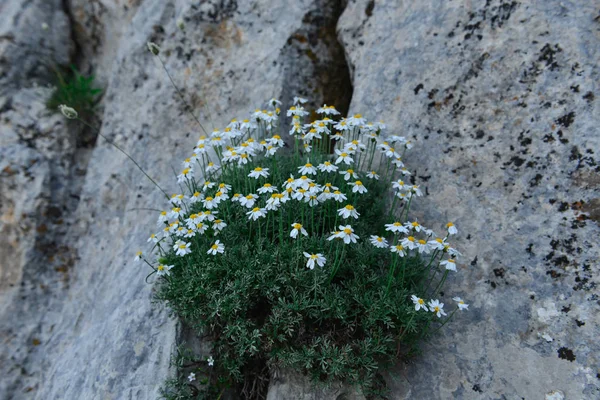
(180, 24)
(153, 47)
(68, 112)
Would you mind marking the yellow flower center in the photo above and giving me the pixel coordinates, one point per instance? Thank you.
(397, 224)
(304, 177)
(246, 121)
(358, 183)
(380, 239)
(421, 301)
(313, 256)
(297, 226)
(410, 238)
(255, 209)
(218, 221)
(214, 246)
(347, 231)
(196, 194)
(160, 267)
(276, 137)
(337, 192)
(349, 207)
(249, 197)
(267, 185)
(415, 224)
(421, 241)
(357, 116)
(182, 246)
(344, 154)
(308, 165)
(449, 224)
(438, 240)
(209, 198)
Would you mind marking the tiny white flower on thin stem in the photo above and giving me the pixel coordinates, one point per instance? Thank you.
(153, 47)
(379, 242)
(449, 264)
(182, 248)
(358, 187)
(398, 249)
(191, 377)
(419, 303)
(461, 304)
(217, 247)
(209, 202)
(314, 258)
(437, 308)
(451, 228)
(210, 361)
(347, 234)
(348, 211)
(163, 270)
(297, 228)
(256, 213)
(68, 112)
(299, 100)
(373, 175)
(416, 191)
(153, 238)
(138, 256)
(259, 172)
(162, 218)
(327, 167)
(187, 173)
(396, 227)
(177, 199)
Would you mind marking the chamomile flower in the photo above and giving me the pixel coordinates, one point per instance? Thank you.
(224, 188)
(275, 201)
(256, 213)
(175, 213)
(200, 227)
(419, 303)
(153, 238)
(163, 270)
(182, 248)
(259, 172)
(209, 202)
(396, 227)
(398, 249)
(299, 100)
(409, 243)
(379, 242)
(218, 226)
(349, 174)
(348, 211)
(275, 141)
(416, 191)
(314, 258)
(415, 226)
(437, 244)
(196, 197)
(339, 196)
(451, 228)
(189, 233)
(347, 234)
(461, 304)
(296, 129)
(327, 110)
(358, 187)
(162, 218)
(307, 147)
(311, 199)
(400, 185)
(449, 264)
(373, 175)
(138, 256)
(236, 197)
(436, 307)
(297, 110)
(267, 188)
(217, 247)
(307, 169)
(297, 229)
(176, 199)
(356, 120)
(207, 185)
(327, 167)
(422, 246)
(248, 201)
(343, 157)
(210, 167)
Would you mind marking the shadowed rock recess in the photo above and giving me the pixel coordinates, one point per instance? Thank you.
(499, 98)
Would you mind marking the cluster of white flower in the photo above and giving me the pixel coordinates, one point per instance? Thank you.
(247, 147)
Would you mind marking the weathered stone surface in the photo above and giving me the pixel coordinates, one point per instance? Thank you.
(499, 96)
(501, 100)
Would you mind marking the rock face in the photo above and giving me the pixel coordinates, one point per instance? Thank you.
(499, 96)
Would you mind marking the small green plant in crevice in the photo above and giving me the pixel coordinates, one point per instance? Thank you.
(76, 91)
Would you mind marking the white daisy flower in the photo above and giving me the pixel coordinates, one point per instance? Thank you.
(339, 196)
(347, 234)
(307, 147)
(153, 238)
(207, 185)
(417, 192)
(398, 249)
(224, 188)
(247, 124)
(267, 188)
(259, 172)
(297, 110)
(162, 218)
(373, 175)
(176, 199)
(348, 211)
(437, 244)
(248, 201)
(399, 164)
(162, 270)
(343, 157)
(415, 226)
(236, 197)
(200, 149)
(358, 187)
(297, 229)
(256, 213)
(138, 256)
(302, 182)
(191, 377)
(461, 304)
(275, 141)
(209, 202)
(175, 213)
(217, 247)
(307, 169)
(182, 248)
(299, 100)
(211, 360)
(218, 225)
(356, 120)
(327, 110)
(274, 202)
(437, 308)
(449, 264)
(314, 258)
(342, 125)
(400, 185)
(379, 242)
(396, 227)
(196, 197)
(210, 167)
(327, 167)
(312, 200)
(419, 303)
(200, 227)
(349, 174)
(190, 233)
(409, 243)
(404, 171)
(451, 228)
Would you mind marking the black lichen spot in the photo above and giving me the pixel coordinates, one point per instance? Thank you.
(548, 138)
(536, 180)
(529, 249)
(499, 272)
(479, 134)
(564, 206)
(370, 7)
(566, 120)
(575, 88)
(566, 309)
(566, 354)
(477, 389)
(561, 261)
(418, 88)
(547, 55)
(474, 262)
(579, 323)
(589, 97)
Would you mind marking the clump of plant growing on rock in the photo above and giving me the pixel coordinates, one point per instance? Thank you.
(301, 256)
(75, 91)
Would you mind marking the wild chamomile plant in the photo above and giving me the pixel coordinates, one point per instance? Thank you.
(300, 256)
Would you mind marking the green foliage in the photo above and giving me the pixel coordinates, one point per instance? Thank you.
(75, 91)
(263, 307)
